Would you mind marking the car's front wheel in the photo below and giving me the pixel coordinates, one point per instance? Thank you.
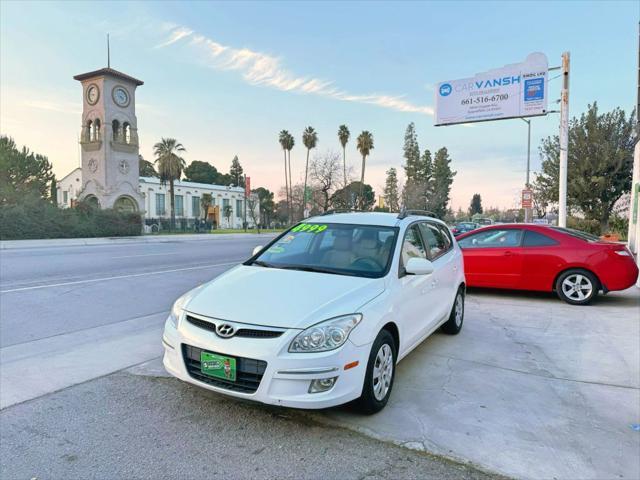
(577, 286)
(378, 380)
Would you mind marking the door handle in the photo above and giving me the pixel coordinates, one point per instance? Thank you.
(507, 254)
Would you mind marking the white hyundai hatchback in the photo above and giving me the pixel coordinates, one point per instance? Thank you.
(322, 314)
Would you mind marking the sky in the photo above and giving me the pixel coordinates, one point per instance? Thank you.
(225, 77)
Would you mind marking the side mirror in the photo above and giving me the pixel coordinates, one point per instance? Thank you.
(256, 250)
(418, 266)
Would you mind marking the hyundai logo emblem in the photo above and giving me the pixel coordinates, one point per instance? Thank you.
(225, 330)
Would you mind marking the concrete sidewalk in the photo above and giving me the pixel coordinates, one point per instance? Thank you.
(75, 242)
(532, 388)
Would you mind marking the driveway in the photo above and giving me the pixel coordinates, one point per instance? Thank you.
(531, 388)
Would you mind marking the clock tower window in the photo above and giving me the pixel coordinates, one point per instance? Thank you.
(95, 132)
(115, 126)
(126, 132)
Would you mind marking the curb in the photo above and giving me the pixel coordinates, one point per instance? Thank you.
(80, 242)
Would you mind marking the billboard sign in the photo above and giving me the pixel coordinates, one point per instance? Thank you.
(513, 91)
(527, 198)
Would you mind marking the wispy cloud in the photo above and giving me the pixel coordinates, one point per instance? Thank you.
(259, 68)
(52, 106)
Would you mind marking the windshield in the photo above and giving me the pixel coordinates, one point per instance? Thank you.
(359, 250)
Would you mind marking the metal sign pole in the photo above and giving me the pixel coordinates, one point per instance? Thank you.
(564, 142)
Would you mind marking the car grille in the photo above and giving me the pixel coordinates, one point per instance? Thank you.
(249, 372)
(242, 332)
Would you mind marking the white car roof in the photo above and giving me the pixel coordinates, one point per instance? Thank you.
(367, 218)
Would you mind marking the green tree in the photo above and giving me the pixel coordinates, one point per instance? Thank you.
(290, 144)
(283, 138)
(599, 166)
(391, 196)
(206, 200)
(267, 205)
(365, 145)
(22, 173)
(356, 194)
(54, 192)
(236, 173)
(310, 140)
(476, 204)
(411, 153)
(170, 167)
(146, 168)
(202, 172)
(442, 180)
(343, 136)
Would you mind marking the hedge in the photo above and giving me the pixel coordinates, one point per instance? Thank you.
(36, 218)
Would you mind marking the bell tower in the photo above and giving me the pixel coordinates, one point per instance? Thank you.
(109, 140)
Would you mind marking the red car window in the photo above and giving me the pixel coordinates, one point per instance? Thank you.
(494, 238)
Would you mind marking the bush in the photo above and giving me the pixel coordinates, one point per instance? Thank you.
(37, 218)
(582, 224)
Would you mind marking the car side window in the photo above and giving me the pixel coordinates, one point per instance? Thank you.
(436, 241)
(412, 245)
(535, 239)
(494, 238)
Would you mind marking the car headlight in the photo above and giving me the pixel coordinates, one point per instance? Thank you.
(325, 336)
(180, 304)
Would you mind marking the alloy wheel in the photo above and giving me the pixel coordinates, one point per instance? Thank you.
(459, 309)
(577, 287)
(382, 372)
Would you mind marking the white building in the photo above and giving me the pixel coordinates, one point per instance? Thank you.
(188, 196)
(110, 163)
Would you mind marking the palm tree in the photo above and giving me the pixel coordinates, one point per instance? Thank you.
(170, 167)
(283, 139)
(290, 143)
(343, 136)
(365, 145)
(310, 140)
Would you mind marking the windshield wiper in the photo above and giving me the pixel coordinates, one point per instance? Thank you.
(263, 264)
(306, 268)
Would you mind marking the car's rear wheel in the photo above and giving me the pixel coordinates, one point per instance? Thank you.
(577, 286)
(456, 317)
(380, 373)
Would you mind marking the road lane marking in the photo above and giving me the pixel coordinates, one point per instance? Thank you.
(148, 255)
(132, 275)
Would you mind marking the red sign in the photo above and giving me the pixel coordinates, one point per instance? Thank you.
(247, 187)
(527, 198)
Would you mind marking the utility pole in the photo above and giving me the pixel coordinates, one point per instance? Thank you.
(244, 221)
(633, 235)
(564, 142)
(528, 210)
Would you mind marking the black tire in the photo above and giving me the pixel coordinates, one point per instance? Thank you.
(454, 324)
(368, 403)
(577, 286)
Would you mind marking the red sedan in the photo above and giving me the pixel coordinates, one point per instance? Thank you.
(575, 264)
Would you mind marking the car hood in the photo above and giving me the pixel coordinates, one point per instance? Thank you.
(282, 298)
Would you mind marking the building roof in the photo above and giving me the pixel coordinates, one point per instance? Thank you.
(108, 71)
(183, 184)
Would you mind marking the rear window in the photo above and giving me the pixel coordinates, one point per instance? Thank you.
(587, 237)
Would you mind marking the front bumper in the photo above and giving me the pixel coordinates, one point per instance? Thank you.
(287, 376)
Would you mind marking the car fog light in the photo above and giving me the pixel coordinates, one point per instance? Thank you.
(322, 384)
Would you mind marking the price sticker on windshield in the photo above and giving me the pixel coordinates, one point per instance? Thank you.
(309, 227)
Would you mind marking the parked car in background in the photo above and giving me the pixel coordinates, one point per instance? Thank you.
(484, 221)
(463, 227)
(576, 265)
(321, 315)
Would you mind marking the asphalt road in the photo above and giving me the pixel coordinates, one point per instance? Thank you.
(71, 288)
(72, 322)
